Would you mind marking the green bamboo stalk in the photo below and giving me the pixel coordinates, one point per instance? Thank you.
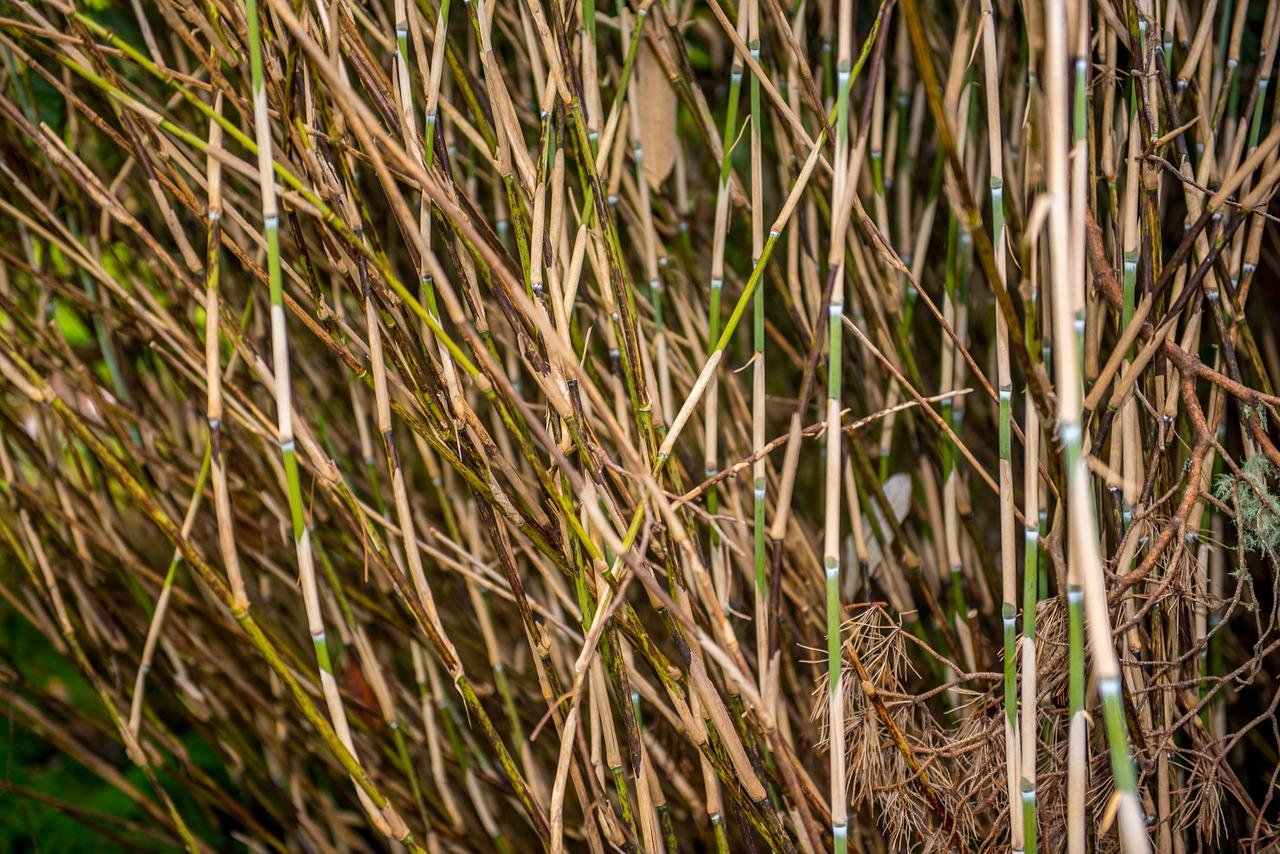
(950, 471)
(1004, 381)
(842, 188)
(284, 422)
(1031, 512)
(720, 234)
(1084, 566)
(748, 292)
(1033, 521)
(758, 393)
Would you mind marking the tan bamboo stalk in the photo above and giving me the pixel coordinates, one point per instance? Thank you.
(1084, 563)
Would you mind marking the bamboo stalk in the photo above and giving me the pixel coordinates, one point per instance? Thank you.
(831, 527)
(1004, 380)
(758, 393)
(1084, 566)
(475, 286)
(387, 822)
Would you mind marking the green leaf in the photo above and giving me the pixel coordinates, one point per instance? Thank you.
(71, 325)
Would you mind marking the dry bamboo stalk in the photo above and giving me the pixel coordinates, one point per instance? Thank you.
(1083, 563)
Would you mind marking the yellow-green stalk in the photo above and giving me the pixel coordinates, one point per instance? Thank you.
(386, 821)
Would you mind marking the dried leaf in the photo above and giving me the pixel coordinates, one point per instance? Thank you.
(657, 101)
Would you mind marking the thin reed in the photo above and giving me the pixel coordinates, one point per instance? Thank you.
(584, 426)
